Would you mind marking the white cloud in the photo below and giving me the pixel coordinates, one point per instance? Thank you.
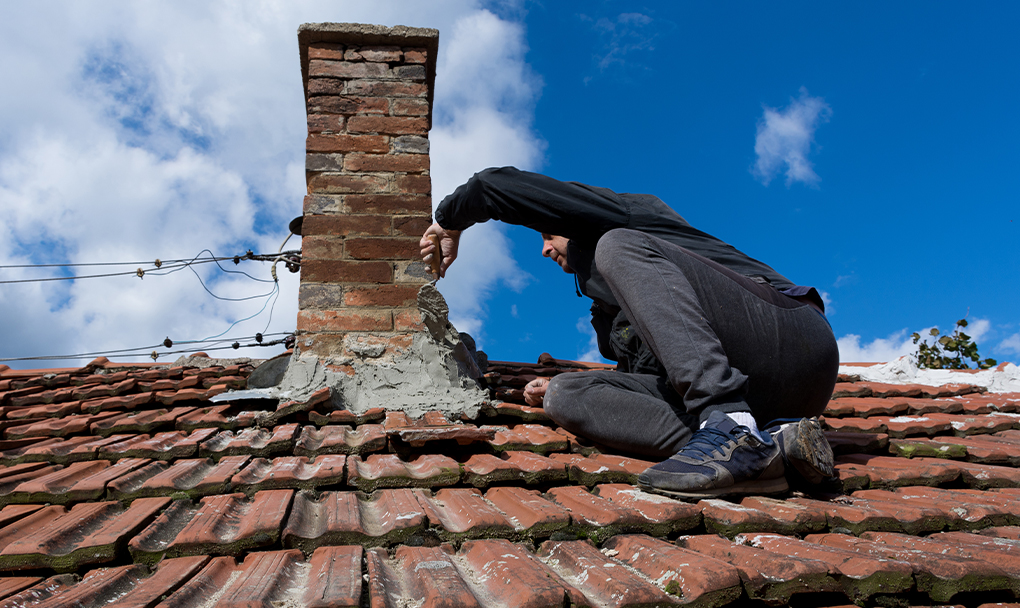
(827, 301)
(590, 350)
(878, 350)
(785, 137)
(131, 131)
(483, 119)
(1010, 344)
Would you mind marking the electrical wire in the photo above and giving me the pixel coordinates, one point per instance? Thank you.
(159, 268)
(145, 350)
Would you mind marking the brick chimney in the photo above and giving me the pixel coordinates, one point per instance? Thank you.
(368, 93)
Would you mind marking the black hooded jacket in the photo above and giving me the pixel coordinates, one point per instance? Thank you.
(583, 214)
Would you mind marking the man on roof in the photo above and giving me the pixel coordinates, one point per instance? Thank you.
(722, 362)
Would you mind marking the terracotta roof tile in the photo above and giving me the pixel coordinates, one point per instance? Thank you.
(433, 427)
(252, 441)
(767, 576)
(389, 471)
(528, 511)
(292, 472)
(482, 470)
(384, 518)
(531, 437)
(598, 576)
(695, 578)
(161, 446)
(221, 524)
(942, 576)
(88, 533)
(186, 477)
(401, 487)
(80, 481)
(346, 417)
(861, 576)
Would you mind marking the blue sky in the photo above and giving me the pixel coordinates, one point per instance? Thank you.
(866, 149)
(911, 219)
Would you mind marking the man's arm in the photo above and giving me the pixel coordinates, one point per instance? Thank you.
(578, 212)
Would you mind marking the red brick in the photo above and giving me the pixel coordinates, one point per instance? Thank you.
(334, 271)
(388, 124)
(411, 225)
(383, 295)
(387, 295)
(416, 184)
(407, 320)
(397, 248)
(344, 320)
(347, 69)
(380, 53)
(415, 55)
(335, 104)
(409, 107)
(343, 225)
(387, 162)
(389, 203)
(325, 50)
(333, 183)
(315, 247)
(386, 88)
(319, 142)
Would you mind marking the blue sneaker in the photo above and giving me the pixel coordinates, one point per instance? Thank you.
(723, 458)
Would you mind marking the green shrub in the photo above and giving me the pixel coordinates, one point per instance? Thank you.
(950, 351)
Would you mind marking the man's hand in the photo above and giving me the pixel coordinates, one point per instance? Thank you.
(449, 242)
(534, 391)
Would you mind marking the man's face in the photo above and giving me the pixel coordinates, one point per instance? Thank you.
(555, 248)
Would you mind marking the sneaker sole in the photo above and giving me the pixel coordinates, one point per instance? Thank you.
(771, 486)
(810, 453)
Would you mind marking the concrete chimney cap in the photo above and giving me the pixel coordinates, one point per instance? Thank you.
(375, 35)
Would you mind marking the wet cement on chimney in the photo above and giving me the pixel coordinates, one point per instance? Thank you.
(437, 372)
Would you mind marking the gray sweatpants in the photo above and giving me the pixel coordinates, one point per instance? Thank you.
(727, 342)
